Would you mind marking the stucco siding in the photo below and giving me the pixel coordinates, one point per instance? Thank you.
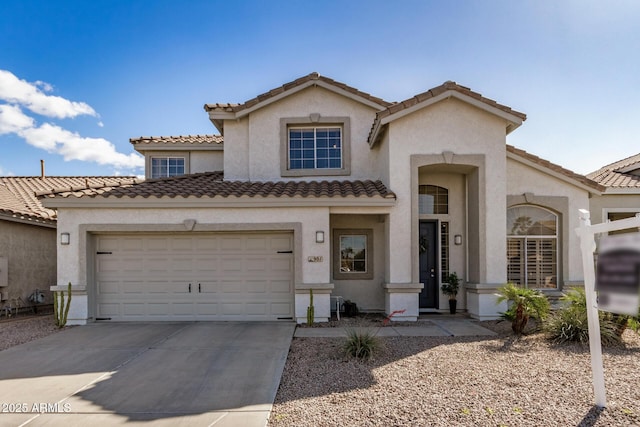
(263, 133)
(236, 150)
(31, 257)
(206, 161)
(600, 205)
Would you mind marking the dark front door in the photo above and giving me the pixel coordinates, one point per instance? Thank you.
(428, 244)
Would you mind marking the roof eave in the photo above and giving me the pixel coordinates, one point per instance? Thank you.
(141, 148)
(141, 202)
(28, 219)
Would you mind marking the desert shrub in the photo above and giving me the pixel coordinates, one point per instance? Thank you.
(361, 343)
(569, 323)
(523, 304)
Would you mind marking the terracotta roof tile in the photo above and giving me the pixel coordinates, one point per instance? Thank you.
(432, 93)
(18, 194)
(287, 86)
(169, 140)
(211, 184)
(619, 174)
(556, 168)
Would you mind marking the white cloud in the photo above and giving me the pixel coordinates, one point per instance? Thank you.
(12, 119)
(16, 91)
(51, 137)
(72, 146)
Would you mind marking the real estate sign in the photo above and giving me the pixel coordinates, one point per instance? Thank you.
(618, 273)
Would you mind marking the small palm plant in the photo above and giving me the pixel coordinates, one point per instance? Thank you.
(523, 303)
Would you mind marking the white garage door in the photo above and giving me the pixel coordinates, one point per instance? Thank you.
(221, 276)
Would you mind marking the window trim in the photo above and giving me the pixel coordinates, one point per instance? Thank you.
(315, 120)
(165, 155)
(337, 274)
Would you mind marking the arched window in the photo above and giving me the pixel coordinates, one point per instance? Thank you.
(532, 247)
(433, 199)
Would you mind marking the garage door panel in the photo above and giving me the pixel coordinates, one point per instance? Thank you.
(281, 286)
(281, 265)
(231, 244)
(233, 276)
(281, 309)
(257, 286)
(207, 309)
(232, 287)
(108, 287)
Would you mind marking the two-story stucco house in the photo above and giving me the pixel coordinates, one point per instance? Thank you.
(319, 186)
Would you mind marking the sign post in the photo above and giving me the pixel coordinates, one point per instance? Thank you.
(588, 246)
(611, 280)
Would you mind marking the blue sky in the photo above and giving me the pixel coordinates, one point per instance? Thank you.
(79, 78)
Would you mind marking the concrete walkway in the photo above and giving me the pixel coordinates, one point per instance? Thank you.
(453, 327)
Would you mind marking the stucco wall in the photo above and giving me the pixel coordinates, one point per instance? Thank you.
(453, 126)
(599, 205)
(31, 256)
(367, 294)
(236, 149)
(206, 161)
(564, 198)
(261, 133)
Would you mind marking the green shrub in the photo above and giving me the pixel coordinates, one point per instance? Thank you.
(569, 323)
(361, 343)
(523, 304)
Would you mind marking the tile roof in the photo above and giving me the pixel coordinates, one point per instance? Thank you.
(211, 184)
(171, 140)
(620, 174)
(556, 168)
(18, 194)
(432, 93)
(291, 85)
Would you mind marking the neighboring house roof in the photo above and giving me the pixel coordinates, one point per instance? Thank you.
(179, 142)
(557, 170)
(19, 201)
(623, 174)
(445, 90)
(212, 185)
(220, 111)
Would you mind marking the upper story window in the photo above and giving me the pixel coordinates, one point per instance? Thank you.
(162, 167)
(315, 148)
(433, 199)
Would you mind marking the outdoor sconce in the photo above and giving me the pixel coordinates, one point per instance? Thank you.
(457, 239)
(319, 236)
(65, 238)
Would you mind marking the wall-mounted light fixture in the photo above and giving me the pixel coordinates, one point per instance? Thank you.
(65, 238)
(457, 239)
(319, 236)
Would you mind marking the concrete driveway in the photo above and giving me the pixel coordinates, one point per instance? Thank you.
(173, 374)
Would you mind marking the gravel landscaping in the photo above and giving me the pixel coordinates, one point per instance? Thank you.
(19, 330)
(467, 381)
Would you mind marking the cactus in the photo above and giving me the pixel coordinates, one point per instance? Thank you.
(310, 309)
(61, 309)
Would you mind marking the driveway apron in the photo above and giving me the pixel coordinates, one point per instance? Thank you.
(209, 373)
